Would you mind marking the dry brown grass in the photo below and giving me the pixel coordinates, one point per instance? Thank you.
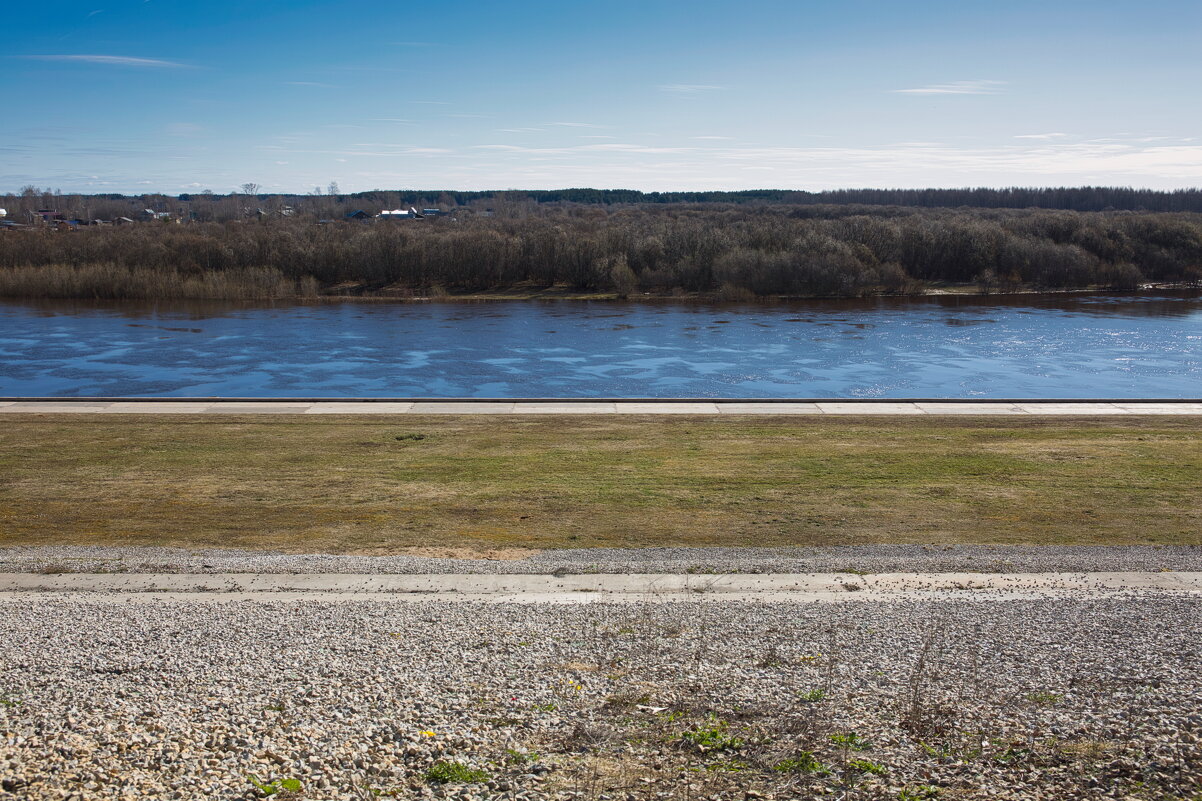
(480, 483)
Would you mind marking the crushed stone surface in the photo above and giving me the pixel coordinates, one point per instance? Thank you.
(1065, 698)
(858, 558)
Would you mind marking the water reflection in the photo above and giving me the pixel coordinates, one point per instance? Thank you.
(936, 346)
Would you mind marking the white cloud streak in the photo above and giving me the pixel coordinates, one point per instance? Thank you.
(700, 164)
(907, 164)
(687, 88)
(117, 61)
(956, 88)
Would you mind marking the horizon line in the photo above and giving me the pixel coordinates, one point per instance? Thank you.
(766, 189)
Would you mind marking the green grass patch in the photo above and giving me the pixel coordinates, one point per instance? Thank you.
(369, 485)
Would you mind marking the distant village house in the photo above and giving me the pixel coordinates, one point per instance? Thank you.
(401, 214)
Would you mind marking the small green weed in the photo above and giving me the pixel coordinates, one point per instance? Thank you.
(274, 787)
(943, 751)
(1012, 756)
(812, 696)
(713, 737)
(410, 437)
(867, 766)
(804, 762)
(445, 772)
(919, 792)
(515, 757)
(545, 707)
(851, 740)
(1045, 699)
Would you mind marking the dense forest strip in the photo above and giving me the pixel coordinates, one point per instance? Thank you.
(727, 251)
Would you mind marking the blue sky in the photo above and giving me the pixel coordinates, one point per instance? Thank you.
(108, 96)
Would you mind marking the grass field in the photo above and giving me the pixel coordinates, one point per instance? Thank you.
(381, 485)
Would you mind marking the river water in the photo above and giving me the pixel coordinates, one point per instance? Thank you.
(1054, 346)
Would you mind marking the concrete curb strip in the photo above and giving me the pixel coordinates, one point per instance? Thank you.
(725, 406)
(611, 586)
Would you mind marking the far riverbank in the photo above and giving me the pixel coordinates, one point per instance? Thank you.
(710, 252)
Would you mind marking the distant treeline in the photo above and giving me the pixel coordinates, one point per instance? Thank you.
(210, 207)
(731, 251)
(1086, 198)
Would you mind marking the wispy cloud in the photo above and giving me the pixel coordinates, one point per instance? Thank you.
(520, 130)
(607, 147)
(400, 120)
(956, 88)
(714, 138)
(687, 88)
(364, 149)
(577, 125)
(1042, 136)
(184, 129)
(117, 61)
(910, 164)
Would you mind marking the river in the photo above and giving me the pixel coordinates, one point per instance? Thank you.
(1030, 346)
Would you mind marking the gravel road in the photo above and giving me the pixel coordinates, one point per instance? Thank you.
(949, 699)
